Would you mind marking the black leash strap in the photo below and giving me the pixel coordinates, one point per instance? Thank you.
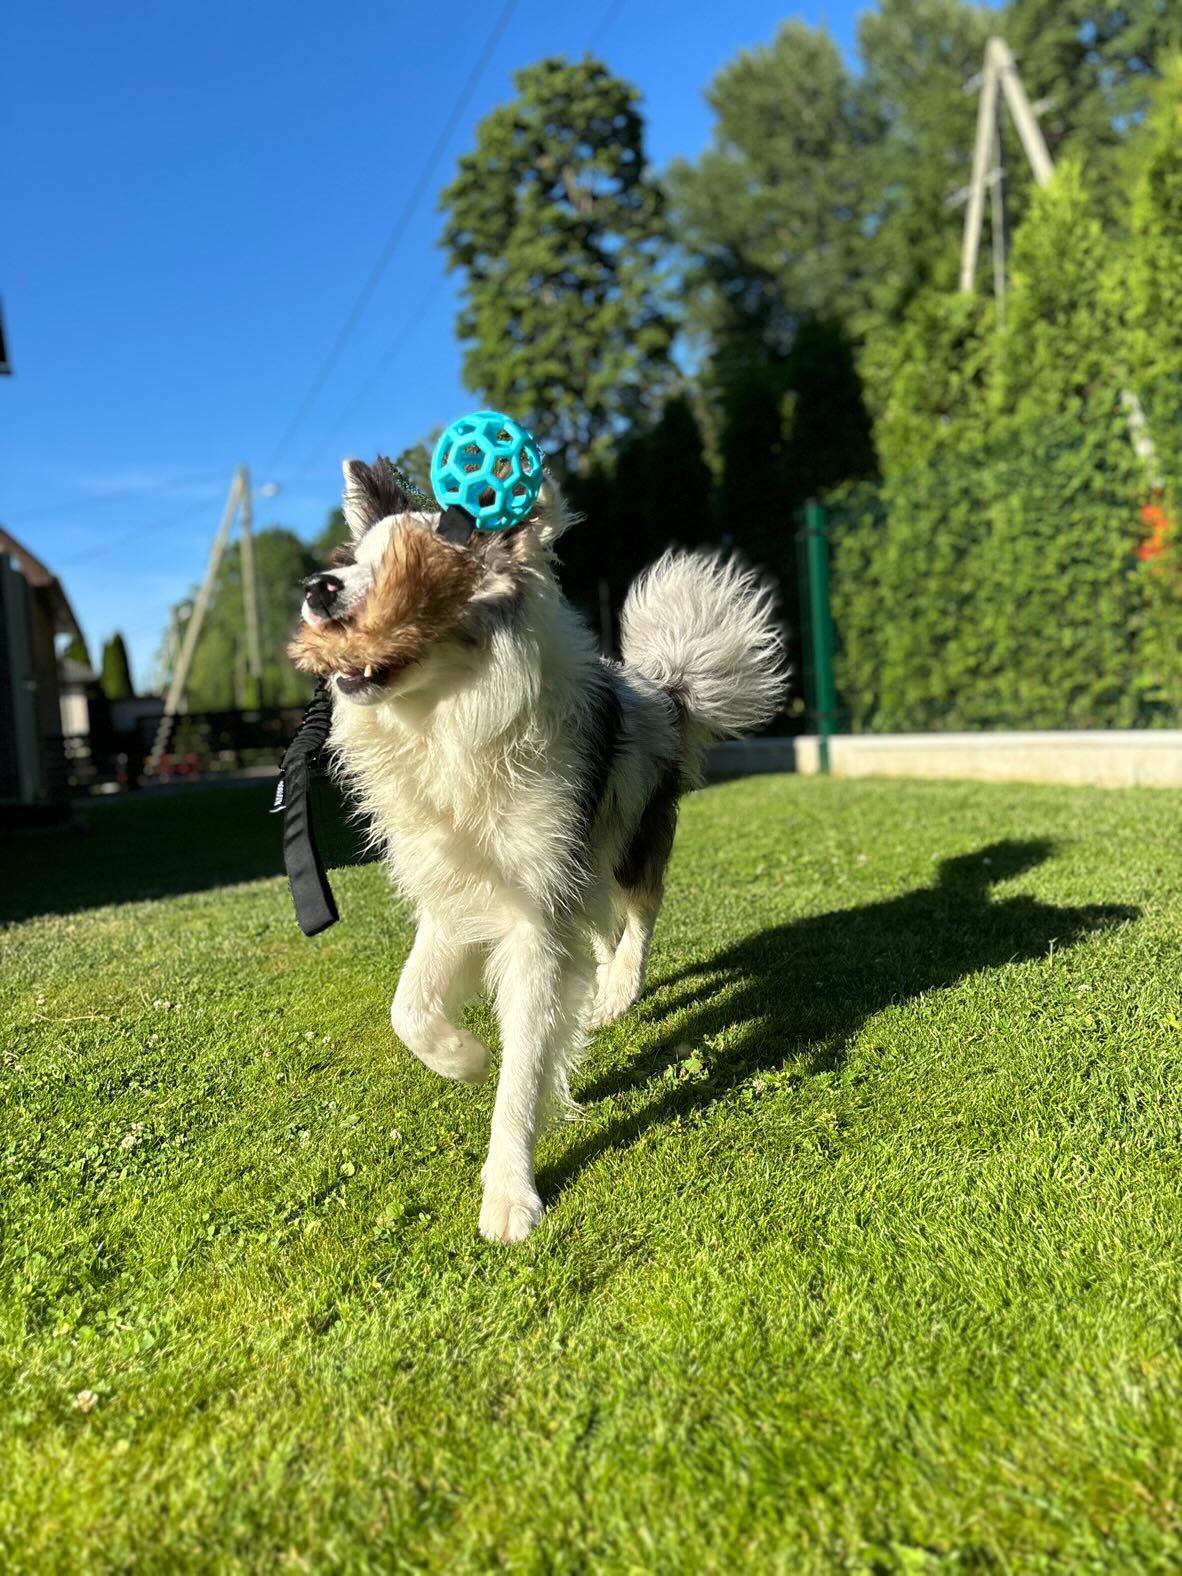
(315, 905)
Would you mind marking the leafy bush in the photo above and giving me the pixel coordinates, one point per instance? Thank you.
(997, 577)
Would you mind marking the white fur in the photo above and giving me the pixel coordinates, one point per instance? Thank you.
(469, 769)
(703, 627)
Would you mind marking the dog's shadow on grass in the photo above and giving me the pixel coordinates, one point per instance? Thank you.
(800, 992)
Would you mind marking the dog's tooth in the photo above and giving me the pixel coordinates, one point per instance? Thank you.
(369, 670)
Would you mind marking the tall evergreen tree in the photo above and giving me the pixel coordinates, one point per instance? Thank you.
(115, 678)
(930, 379)
(827, 429)
(554, 221)
(1149, 278)
(1057, 352)
(1153, 275)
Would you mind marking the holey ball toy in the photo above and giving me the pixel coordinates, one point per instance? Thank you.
(488, 465)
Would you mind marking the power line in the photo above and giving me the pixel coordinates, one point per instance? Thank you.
(99, 500)
(606, 21)
(395, 236)
(396, 346)
(131, 536)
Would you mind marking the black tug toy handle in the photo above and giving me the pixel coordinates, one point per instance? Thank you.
(315, 905)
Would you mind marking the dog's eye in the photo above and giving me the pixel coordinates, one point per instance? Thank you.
(341, 557)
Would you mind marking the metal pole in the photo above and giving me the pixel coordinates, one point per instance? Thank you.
(250, 596)
(816, 537)
(176, 689)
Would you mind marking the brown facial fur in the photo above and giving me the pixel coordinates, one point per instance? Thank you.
(419, 591)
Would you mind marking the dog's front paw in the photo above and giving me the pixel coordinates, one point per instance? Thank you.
(452, 1053)
(460, 1055)
(509, 1214)
(614, 996)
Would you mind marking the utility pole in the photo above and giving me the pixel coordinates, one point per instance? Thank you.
(997, 223)
(988, 171)
(180, 677)
(250, 595)
(1000, 75)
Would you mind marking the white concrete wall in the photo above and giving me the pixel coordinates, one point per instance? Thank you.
(1106, 758)
(75, 712)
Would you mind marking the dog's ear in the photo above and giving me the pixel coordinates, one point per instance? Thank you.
(371, 493)
(552, 515)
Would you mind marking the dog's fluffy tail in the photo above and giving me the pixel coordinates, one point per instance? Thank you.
(704, 628)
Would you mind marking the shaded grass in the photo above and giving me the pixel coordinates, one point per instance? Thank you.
(185, 838)
(863, 1255)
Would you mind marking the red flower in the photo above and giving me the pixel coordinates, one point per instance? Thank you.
(1157, 520)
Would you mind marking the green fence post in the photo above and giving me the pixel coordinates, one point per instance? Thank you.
(820, 618)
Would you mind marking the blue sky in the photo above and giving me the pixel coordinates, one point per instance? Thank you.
(193, 197)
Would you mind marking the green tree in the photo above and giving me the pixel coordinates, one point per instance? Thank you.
(657, 490)
(770, 216)
(555, 221)
(1150, 278)
(1056, 351)
(993, 581)
(76, 652)
(827, 429)
(930, 380)
(1153, 275)
(1093, 66)
(115, 678)
(218, 677)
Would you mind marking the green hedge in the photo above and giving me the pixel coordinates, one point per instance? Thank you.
(1006, 591)
(998, 576)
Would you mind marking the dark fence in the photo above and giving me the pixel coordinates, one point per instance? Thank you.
(201, 744)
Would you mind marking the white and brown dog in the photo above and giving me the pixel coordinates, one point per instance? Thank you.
(523, 790)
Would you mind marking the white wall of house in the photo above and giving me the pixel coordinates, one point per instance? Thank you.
(75, 711)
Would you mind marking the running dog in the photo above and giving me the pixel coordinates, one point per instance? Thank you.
(523, 789)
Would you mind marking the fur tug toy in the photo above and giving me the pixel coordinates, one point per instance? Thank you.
(488, 465)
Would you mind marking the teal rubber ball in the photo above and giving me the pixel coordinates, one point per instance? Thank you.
(489, 465)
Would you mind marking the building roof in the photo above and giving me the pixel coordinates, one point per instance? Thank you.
(41, 579)
(78, 674)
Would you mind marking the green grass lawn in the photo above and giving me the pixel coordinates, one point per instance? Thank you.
(863, 1255)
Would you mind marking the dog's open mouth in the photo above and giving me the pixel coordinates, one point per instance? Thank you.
(351, 681)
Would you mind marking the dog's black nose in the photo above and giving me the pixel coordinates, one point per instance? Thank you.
(322, 591)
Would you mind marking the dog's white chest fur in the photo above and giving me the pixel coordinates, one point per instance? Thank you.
(469, 790)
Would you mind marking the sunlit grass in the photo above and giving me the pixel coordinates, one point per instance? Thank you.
(863, 1255)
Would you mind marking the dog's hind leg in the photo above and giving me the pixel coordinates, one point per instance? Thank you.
(540, 991)
(438, 977)
(620, 981)
(640, 878)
